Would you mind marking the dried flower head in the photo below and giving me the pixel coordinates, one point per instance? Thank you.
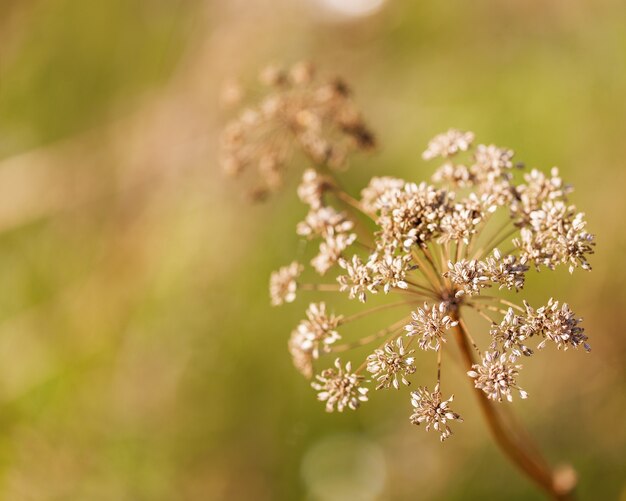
(319, 330)
(340, 388)
(359, 278)
(312, 188)
(324, 222)
(333, 228)
(302, 358)
(510, 334)
(429, 408)
(469, 276)
(538, 188)
(429, 325)
(331, 250)
(558, 325)
(435, 249)
(507, 271)
(460, 223)
(376, 189)
(299, 112)
(283, 284)
(410, 216)
(448, 144)
(554, 235)
(497, 377)
(390, 271)
(391, 364)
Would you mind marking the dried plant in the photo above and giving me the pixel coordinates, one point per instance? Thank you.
(436, 248)
(298, 112)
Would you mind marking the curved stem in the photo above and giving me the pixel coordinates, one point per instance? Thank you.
(533, 465)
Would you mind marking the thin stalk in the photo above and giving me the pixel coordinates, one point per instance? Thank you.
(426, 291)
(430, 278)
(488, 307)
(381, 307)
(355, 207)
(488, 245)
(391, 332)
(457, 254)
(532, 465)
(439, 365)
(337, 288)
(348, 199)
(469, 337)
(431, 261)
(502, 301)
(502, 238)
(480, 311)
(319, 287)
(446, 251)
(392, 329)
(364, 246)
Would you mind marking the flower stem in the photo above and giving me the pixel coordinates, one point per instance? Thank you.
(533, 465)
(364, 313)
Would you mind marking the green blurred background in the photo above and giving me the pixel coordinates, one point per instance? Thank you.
(139, 356)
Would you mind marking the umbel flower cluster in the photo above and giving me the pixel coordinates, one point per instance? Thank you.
(448, 250)
(298, 113)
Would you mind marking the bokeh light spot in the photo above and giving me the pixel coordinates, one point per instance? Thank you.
(353, 8)
(342, 467)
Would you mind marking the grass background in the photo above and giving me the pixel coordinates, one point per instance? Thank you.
(139, 358)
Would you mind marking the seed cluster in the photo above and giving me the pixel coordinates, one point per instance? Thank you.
(391, 364)
(431, 409)
(433, 246)
(299, 112)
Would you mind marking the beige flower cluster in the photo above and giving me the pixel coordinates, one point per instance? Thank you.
(436, 249)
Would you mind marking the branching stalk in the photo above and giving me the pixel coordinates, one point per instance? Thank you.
(533, 465)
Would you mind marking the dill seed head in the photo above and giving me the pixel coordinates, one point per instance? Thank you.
(507, 271)
(492, 162)
(556, 235)
(461, 222)
(497, 377)
(410, 216)
(358, 280)
(391, 364)
(283, 284)
(312, 188)
(432, 410)
(318, 331)
(558, 325)
(509, 335)
(457, 175)
(324, 222)
(429, 325)
(331, 250)
(302, 358)
(340, 388)
(470, 276)
(448, 144)
(390, 271)
(537, 189)
(377, 187)
(435, 248)
(298, 113)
